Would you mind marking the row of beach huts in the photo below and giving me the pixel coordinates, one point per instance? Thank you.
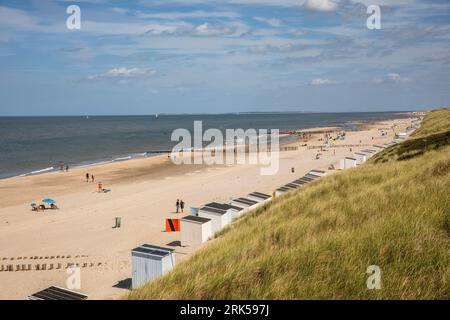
(150, 262)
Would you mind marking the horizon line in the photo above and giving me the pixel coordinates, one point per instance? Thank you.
(201, 113)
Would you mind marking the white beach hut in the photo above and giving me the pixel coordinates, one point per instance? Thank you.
(149, 262)
(369, 152)
(236, 212)
(219, 218)
(300, 182)
(281, 191)
(308, 178)
(244, 203)
(291, 186)
(348, 163)
(360, 157)
(318, 173)
(260, 197)
(195, 230)
(311, 176)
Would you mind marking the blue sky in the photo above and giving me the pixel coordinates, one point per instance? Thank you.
(189, 56)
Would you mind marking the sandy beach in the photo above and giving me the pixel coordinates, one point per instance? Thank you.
(143, 194)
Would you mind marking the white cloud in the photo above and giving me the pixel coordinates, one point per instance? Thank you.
(270, 22)
(395, 77)
(17, 19)
(122, 73)
(321, 5)
(206, 29)
(391, 78)
(120, 10)
(322, 82)
(188, 15)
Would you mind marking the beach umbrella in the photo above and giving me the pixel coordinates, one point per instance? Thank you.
(48, 200)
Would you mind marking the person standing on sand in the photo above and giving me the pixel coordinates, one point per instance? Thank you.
(100, 187)
(67, 168)
(178, 205)
(87, 177)
(182, 206)
(92, 178)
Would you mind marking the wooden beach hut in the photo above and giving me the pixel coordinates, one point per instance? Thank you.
(281, 191)
(348, 163)
(195, 230)
(236, 212)
(360, 157)
(149, 262)
(318, 173)
(369, 152)
(291, 186)
(244, 203)
(260, 197)
(300, 182)
(222, 206)
(219, 218)
(308, 179)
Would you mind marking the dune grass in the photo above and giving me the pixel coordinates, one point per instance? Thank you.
(317, 242)
(432, 135)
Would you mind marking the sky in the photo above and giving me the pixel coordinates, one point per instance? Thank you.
(220, 56)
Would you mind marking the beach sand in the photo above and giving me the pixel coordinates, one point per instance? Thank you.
(143, 194)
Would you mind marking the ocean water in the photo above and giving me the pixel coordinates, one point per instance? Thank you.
(31, 145)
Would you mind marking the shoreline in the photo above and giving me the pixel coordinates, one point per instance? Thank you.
(346, 126)
(143, 195)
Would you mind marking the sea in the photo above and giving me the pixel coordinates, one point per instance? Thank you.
(34, 145)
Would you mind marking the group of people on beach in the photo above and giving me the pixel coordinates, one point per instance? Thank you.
(63, 167)
(91, 176)
(180, 206)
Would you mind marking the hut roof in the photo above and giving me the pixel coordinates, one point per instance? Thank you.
(260, 195)
(196, 219)
(214, 210)
(153, 250)
(222, 206)
(57, 293)
(245, 201)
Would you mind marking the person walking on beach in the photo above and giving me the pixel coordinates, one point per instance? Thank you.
(67, 168)
(182, 206)
(178, 205)
(87, 177)
(92, 178)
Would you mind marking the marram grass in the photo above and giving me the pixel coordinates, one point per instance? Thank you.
(317, 242)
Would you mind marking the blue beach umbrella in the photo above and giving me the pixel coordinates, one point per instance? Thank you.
(48, 200)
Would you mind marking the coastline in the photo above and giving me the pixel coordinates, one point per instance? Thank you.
(143, 194)
(54, 147)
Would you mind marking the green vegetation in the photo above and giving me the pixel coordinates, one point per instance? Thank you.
(432, 135)
(318, 242)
